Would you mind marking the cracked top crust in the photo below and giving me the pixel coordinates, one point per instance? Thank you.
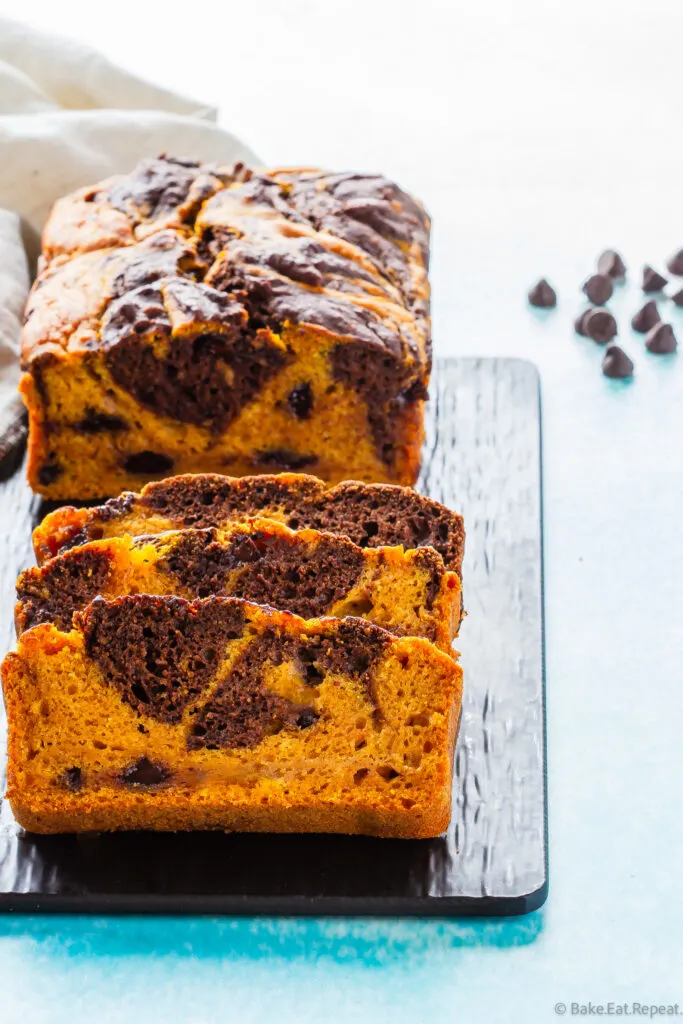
(177, 248)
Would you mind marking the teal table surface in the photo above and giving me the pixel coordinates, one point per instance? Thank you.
(504, 130)
(612, 929)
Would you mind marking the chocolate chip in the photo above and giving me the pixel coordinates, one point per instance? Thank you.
(675, 263)
(579, 323)
(598, 288)
(652, 280)
(677, 297)
(300, 401)
(99, 423)
(148, 463)
(242, 550)
(616, 363)
(611, 264)
(72, 779)
(145, 773)
(307, 718)
(600, 325)
(646, 317)
(284, 458)
(48, 473)
(661, 340)
(542, 295)
(313, 676)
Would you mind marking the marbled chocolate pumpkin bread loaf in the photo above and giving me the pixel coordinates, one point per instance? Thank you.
(410, 593)
(194, 318)
(371, 515)
(154, 712)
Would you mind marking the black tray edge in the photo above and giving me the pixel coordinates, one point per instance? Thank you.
(266, 906)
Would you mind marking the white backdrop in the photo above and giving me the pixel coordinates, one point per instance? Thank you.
(537, 117)
(536, 133)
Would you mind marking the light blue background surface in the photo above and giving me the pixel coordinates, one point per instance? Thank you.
(612, 928)
(537, 133)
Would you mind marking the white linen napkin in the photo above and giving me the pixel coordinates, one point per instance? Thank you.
(68, 118)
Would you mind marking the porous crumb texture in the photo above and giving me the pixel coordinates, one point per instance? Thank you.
(156, 712)
(305, 572)
(192, 317)
(371, 515)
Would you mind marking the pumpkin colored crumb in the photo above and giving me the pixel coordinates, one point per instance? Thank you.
(156, 712)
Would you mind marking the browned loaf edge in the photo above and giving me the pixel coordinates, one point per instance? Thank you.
(371, 515)
(156, 712)
(305, 572)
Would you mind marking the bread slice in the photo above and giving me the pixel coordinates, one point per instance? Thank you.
(371, 515)
(159, 713)
(305, 572)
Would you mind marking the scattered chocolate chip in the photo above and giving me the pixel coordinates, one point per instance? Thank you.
(579, 323)
(148, 463)
(144, 773)
(675, 263)
(598, 288)
(661, 340)
(72, 779)
(300, 401)
(611, 264)
(646, 317)
(652, 280)
(542, 295)
(599, 325)
(616, 363)
(677, 297)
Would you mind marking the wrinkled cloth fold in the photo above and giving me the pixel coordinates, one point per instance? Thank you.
(68, 118)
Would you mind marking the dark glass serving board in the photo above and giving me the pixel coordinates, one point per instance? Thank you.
(482, 457)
